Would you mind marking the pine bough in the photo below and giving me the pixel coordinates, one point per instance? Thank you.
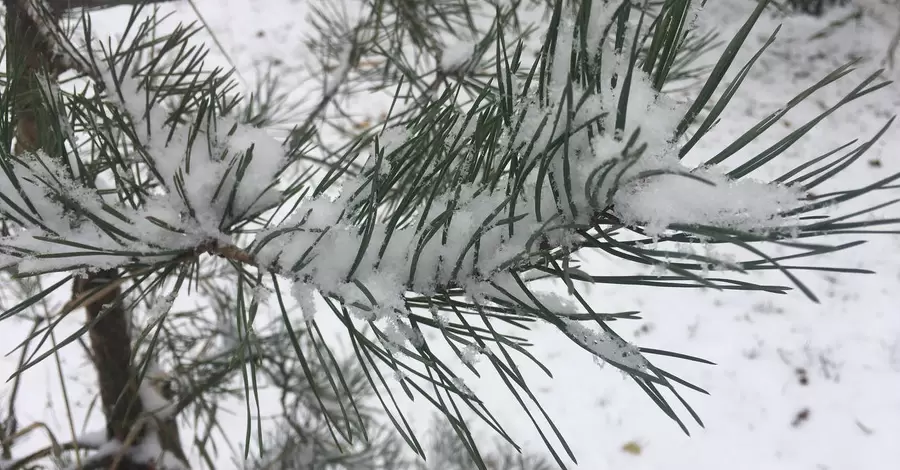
(455, 211)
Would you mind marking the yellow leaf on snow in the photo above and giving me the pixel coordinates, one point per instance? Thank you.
(632, 448)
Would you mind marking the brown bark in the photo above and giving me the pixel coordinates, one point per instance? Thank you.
(111, 348)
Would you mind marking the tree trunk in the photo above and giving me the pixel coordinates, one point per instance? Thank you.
(29, 57)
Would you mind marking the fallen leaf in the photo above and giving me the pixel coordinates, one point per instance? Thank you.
(632, 448)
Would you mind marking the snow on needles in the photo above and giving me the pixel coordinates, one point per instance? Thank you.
(457, 58)
(717, 201)
(209, 183)
(243, 160)
(370, 269)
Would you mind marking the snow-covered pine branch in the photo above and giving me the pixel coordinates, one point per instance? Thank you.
(216, 171)
(470, 205)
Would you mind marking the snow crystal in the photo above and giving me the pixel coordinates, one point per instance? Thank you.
(440, 317)
(398, 333)
(305, 295)
(606, 346)
(461, 386)
(457, 58)
(471, 354)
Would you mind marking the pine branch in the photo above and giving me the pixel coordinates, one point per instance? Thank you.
(449, 221)
(27, 50)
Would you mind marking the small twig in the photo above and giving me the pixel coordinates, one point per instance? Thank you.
(54, 443)
(233, 253)
(55, 449)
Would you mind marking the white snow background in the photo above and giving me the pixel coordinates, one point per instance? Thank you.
(848, 346)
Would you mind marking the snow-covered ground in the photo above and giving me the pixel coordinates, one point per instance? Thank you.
(797, 385)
